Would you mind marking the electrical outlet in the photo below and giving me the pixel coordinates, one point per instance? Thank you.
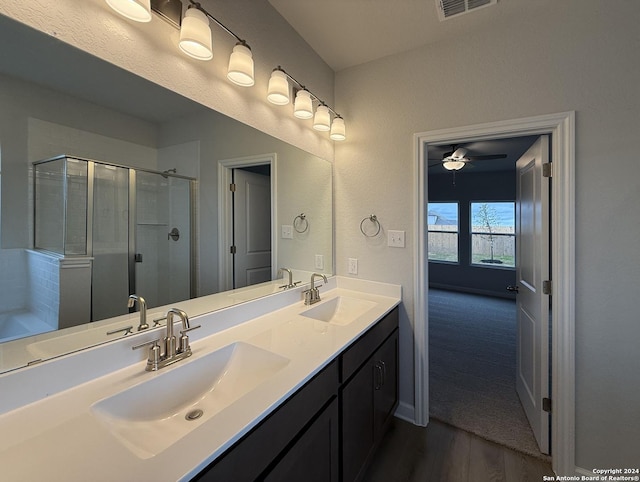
(287, 231)
(395, 239)
(319, 261)
(353, 266)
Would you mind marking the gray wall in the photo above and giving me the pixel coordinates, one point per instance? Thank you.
(470, 186)
(557, 56)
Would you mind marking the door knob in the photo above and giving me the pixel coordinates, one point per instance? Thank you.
(512, 288)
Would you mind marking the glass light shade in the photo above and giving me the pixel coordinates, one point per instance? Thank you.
(453, 164)
(195, 35)
(136, 10)
(338, 132)
(278, 91)
(241, 66)
(322, 119)
(303, 107)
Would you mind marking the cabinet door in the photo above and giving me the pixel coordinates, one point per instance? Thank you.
(314, 457)
(357, 422)
(385, 362)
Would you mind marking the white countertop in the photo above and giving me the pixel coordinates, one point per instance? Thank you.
(59, 437)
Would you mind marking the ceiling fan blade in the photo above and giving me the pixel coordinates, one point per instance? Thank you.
(488, 157)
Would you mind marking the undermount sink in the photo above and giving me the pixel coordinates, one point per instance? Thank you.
(151, 416)
(340, 310)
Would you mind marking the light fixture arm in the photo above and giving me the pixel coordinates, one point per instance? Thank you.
(301, 86)
(218, 22)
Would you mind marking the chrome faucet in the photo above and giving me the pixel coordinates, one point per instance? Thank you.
(312, 295)
(174, 350)
(291, 283)
(142, 304)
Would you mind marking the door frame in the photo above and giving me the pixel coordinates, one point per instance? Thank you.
(225, 215)
(561, 127)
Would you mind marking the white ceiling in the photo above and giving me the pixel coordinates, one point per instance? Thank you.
(351, 32)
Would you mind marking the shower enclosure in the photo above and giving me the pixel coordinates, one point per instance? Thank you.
(127, 230)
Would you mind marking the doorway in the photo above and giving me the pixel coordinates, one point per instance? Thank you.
(247, 245)
(472, 237)
(561, 128)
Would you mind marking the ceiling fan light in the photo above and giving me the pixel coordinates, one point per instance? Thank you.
(453, 164)
(195, 35)
(136, 10)
(322, 119)
(278, 90)
(303, 107)
(338, 132)
(241, 66)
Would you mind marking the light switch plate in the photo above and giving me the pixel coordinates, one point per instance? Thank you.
(319, 261)
(287, 231)
(395, 239)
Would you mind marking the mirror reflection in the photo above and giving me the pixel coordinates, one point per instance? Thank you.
(113, 186)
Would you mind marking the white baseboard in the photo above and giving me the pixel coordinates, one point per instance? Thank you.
(405, 412)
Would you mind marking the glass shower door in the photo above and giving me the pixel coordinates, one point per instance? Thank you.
(162, 238)
(110, 274)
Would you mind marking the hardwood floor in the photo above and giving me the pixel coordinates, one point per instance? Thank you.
(442, 453)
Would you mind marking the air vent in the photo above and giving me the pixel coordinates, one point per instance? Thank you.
(453, 8)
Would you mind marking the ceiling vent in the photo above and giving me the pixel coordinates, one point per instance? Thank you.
(453, 8)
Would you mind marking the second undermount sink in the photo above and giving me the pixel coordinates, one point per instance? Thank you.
(151, 416)
(340, 310)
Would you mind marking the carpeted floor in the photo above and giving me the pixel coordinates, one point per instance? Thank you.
(472, 368)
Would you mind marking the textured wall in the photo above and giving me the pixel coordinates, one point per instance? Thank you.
(151, 51)
(572, 55)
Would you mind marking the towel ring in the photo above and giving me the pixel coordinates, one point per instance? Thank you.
(374, 219)
(303, 219)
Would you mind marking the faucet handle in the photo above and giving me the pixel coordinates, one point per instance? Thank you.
(156, 322)
(153, 359)
(184, 339)
(182, 332)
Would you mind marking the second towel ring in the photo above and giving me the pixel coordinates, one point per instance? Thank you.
(374, 219)
(303, 219)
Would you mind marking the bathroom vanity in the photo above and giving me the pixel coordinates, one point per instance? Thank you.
(274, 390)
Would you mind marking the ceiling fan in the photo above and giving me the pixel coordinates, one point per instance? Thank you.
(457, 158)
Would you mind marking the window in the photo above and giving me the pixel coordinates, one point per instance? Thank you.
(493, 234)
(442, 227)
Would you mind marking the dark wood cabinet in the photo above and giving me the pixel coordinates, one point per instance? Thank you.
(315, 454)
(368, 401)
(329, 429)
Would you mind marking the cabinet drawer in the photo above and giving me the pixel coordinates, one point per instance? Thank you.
(363, 347)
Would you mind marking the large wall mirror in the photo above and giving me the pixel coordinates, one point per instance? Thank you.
(112, 185)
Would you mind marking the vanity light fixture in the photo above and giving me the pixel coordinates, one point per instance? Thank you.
(303, 105)
(195, 41)
(322, 119)
(278, 90)
(278, 93)
(195, 35)
(136, 10)
(338, 131)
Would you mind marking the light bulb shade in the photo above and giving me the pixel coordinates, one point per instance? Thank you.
(453, 164)
(303, 107)
(136, 10)
(241, 66)
(338, 132)
(278, 91)
(195, 35)
(322, 119)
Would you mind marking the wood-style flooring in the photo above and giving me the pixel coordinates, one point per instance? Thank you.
(442, 453)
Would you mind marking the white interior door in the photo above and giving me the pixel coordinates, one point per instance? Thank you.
(532, 269)
(251, 228)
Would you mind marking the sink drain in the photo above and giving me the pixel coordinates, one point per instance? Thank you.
(194, 414)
